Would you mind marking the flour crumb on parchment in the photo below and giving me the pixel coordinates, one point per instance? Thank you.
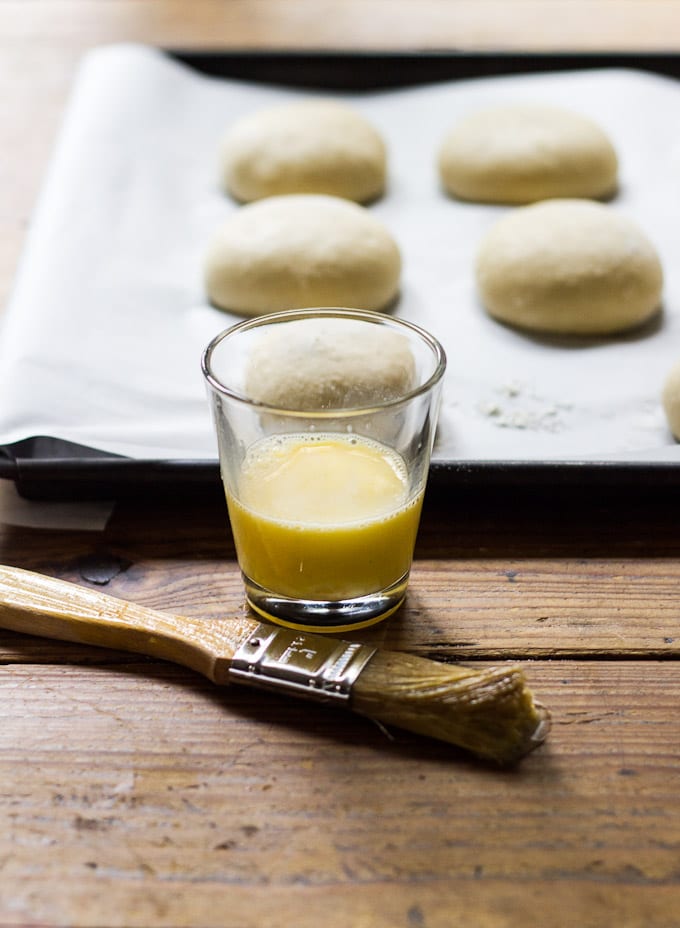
(514, 406)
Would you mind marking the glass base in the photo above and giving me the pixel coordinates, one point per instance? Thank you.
(326, 616)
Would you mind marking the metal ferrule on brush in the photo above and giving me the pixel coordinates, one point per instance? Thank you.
(312, 666)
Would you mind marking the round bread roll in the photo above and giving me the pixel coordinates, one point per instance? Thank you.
(313, 146)
(569, 266)
(671, 399)
(521, 153)
(321, 364)
(298, 251)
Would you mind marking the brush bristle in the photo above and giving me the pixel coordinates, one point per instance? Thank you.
(489, 712)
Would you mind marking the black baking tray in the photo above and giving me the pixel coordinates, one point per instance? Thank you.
(44, 467)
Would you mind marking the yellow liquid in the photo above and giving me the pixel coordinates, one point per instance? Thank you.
(324, 517)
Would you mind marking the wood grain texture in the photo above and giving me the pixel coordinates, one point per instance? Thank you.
(494, 24)
(487, 582)
(153, 798)
(136, 794)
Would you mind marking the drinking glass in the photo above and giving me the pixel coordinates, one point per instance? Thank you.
(325, 421)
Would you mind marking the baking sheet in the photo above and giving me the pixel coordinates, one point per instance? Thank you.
(102, 339)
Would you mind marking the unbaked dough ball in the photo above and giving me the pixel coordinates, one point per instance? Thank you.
(521, 153)
(671, 399)
(569, 266)
(323, 364)
(312, 146)
(300, 251)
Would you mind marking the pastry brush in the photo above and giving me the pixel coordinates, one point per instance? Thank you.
(489, 712)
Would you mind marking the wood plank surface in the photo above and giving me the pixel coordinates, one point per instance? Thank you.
(152, 797)
(488, 581)
(553, 24)
(135, 794)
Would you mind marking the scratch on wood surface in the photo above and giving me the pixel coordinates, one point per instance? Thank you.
(585, 718)
(627, 873)
(80, 823)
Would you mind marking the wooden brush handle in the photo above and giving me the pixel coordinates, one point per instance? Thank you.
(38, 605)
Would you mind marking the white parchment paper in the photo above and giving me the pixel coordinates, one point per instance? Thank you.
(102, 339)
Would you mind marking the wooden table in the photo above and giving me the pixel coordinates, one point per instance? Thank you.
(133, 793)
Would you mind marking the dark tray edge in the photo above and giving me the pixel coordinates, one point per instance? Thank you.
(49, 469)
(370, 69)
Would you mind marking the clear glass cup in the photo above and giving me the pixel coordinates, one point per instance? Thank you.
(325, 421)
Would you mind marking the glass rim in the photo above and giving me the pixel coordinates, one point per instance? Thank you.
(358, 315)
